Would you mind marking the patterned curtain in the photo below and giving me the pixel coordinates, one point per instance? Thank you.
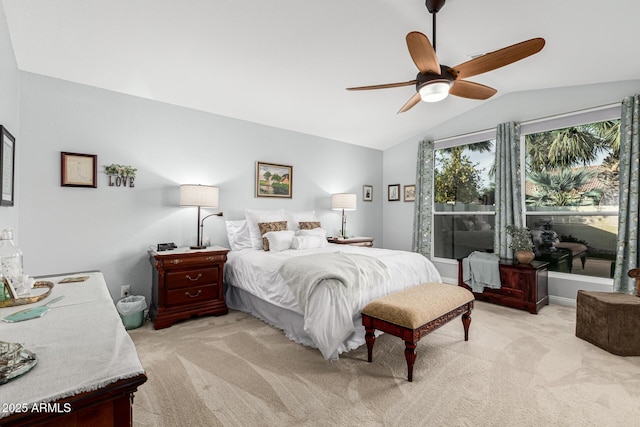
(627, 242)
(508, 193)
(424, 200)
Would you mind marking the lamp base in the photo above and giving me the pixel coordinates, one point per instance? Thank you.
(197, 247)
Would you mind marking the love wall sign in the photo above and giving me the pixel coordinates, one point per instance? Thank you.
(121, 181)
(121, 175)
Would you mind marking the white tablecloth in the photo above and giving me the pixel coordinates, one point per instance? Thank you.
(80, 343)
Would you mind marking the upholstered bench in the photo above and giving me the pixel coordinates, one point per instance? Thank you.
(413, 313)
(610, 320)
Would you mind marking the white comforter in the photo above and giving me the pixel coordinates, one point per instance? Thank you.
(329, 318)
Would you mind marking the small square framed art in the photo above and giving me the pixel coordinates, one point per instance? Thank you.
(410, 193)
(394, 192)
(367, 193)
(78, 170)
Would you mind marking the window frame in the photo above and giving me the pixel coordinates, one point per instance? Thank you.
(466, 139)
(596, 114)
(593, 115)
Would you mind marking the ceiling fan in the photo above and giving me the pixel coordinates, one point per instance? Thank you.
(435, 81)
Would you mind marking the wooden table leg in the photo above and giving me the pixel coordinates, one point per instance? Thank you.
(410, 355)
(370, 338)
(466, 321)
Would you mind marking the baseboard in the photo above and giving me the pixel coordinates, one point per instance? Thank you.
(449, 280)
(568, 302)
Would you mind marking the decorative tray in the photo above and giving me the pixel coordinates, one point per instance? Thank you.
(31, 299)
(15, 360)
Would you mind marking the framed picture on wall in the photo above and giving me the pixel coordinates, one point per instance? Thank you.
(410, 193)
(367, 193)
(394, 192)
(273, 180)
(7, 161)
(79, 170)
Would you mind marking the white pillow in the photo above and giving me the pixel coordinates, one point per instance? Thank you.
(294, 217)
(256, 216)
(308, 242)
(279, 240)
(238, 235)
(315, 232)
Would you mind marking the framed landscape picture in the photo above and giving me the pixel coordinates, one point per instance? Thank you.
(273, 180)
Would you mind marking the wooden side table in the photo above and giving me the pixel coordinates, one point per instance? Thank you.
(353, 241)
(524, 286)
(187, 283)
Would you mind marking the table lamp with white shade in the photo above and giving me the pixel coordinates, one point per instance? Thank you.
(344, 202)
(202, 196)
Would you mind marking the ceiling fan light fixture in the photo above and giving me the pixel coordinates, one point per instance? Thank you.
(434, 90)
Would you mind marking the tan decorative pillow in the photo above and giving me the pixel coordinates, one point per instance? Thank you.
(309, 225)
(265, 227)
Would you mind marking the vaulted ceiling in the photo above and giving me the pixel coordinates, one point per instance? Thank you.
(286, 63)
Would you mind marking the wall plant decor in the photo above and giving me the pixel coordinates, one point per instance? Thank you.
(7, 163)
(79, 170)
(120, 175)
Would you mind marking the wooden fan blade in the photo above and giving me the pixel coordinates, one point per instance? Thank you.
(384, 86)
(410, 103)
(471, 90)
(422, 53)
(497, 59)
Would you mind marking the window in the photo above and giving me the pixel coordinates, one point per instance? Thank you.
(571, 196)
(464, 189)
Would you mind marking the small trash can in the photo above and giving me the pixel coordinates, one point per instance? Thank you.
(131, 311)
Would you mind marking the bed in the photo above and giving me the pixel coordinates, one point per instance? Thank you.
(328, 318)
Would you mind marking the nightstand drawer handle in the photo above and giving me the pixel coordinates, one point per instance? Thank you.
(193, 296)
(194, 279)
(176, 261)
(210, 258)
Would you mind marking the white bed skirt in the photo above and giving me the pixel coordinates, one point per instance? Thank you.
(290, 322)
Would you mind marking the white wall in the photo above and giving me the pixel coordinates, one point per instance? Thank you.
(10, 117)
(399, 168)
(65, 229)
(399, 161)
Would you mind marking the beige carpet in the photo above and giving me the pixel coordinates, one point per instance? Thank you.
(517, 369)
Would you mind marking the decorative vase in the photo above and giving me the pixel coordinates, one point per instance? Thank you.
(525, 257)
(10, 256)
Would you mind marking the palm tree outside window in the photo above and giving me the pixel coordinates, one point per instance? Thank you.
(571, 186)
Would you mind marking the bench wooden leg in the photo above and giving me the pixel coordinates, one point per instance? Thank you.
(466, 321)
(370, 338)
(410, 355)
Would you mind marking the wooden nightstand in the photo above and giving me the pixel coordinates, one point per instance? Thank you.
(187, 283)
(353, 241)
